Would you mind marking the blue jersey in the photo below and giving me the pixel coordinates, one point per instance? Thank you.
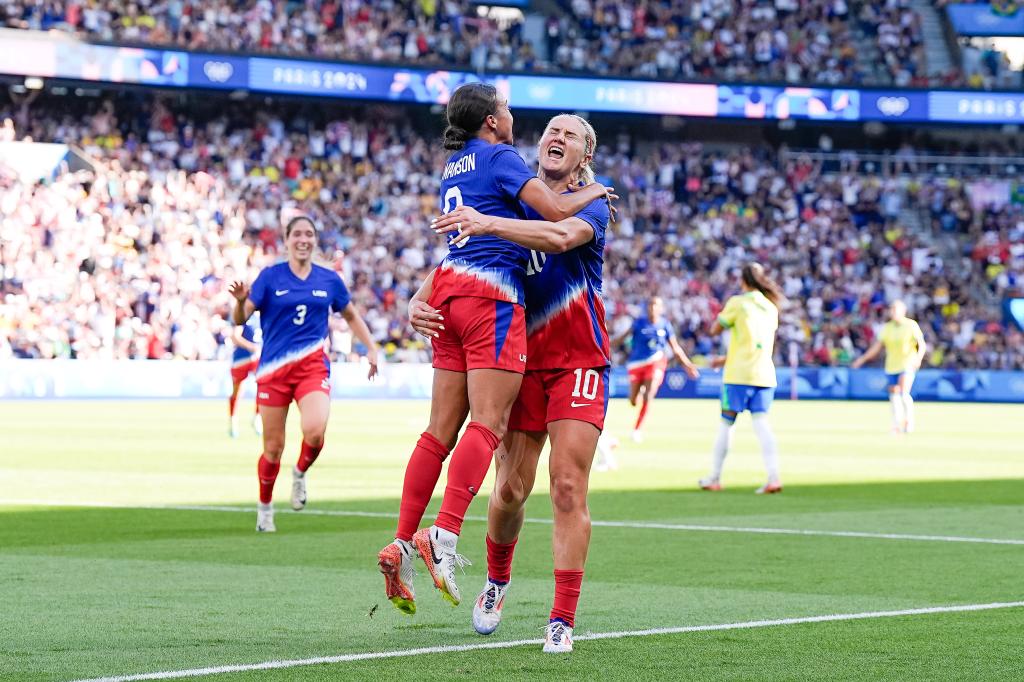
(250, 332)
(650, 341)
(487, 177)
(293, 313)
(565, 319)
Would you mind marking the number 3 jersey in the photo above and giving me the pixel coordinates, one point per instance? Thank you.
(293, 314)
(565, 323)
(488, 178)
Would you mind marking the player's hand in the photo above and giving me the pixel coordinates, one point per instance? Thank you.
(691, 370)
(718, 362)
(372, 358)
(609, 196)
(465, 220)
(857, 363)
(424, 319)
(240, 290)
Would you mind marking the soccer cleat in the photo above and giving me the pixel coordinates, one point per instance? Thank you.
(769, 488)
(638, 436)
(233, 428)
(710, 483)
(437, 548)
(257, 424)
(395, 563)
(265, 518)
(298, 489)
(487, 609)
(558, 638)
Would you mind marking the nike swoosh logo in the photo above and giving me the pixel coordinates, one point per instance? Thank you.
(433, 554)
(280, 292)
(576, 404)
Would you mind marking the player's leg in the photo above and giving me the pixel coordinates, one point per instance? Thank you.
(759, 404)
(314, 411)
(906, 383)
(723, 441)
(274, 419)
(645, 397)
(236, 384)
(896, 402)
(257, 422)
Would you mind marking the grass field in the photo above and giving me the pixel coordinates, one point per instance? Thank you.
(127, 546)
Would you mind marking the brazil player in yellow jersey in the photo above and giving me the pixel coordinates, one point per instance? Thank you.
(904, 346)
(748, 384)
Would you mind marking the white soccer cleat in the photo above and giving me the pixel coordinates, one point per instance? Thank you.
(710, 483)
(298, 489)
(265, 518)
(638, 436)
(395, 562)
(769, 488)
(437, 548)
(257, 424)
(487, 609)
(558, 638)
(233, 427)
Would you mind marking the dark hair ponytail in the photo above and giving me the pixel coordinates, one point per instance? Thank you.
(468, 108)
(754, 277)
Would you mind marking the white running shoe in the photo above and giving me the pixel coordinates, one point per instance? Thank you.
(257, 424)
(437, 547)
(638, 436)
(487, 609)
(298, 489)
(395, 563)
(233, 427)
(558, 638)
(265, 518)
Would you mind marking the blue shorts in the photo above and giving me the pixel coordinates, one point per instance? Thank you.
(893, 379)
(740, 397)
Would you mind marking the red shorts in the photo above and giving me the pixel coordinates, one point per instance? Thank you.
(481, 333)
(653, 371)
(294, 382)
(548, 395)
(240, 372)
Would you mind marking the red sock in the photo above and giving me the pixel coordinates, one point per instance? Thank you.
(307, 456)
(499, 561)
(643, 413)
(421, 475)
(470, 461)
(231, 404)
(267, 472)
(567, 595)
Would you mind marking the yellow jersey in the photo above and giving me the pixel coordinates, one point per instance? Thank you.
(902, 341)
(752, 320)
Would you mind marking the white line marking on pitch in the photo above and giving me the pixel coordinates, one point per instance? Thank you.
(346, 658)
(599, 524)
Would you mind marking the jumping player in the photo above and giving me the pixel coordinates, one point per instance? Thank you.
(565, 389)
(243, 363)
(480, 344)
(295, 299)
(904, 350)
(652, 336)
(749, 382)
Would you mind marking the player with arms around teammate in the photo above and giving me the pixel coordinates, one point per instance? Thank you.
(904, 350)
(294, 299)
(565, 390)
(244, 360)
(652, 337)
(752, 318)
(480, 346)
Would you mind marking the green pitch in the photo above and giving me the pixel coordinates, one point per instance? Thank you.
(91, 590)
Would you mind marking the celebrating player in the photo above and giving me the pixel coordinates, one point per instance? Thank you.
(749, 381)
(480, 344)
(904, 350)
(243, 363)
(565, 389)
(648, 360)
(295, 299)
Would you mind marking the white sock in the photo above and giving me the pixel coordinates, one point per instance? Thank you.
(908, 410)
(721, 449)
(769, 452)
(896, 401)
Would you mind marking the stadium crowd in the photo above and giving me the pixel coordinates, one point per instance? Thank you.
(808, 41)
(132, 259)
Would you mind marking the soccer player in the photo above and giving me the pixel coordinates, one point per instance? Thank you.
(752, 318)
(904, 350)
(480, 344)
(648, 360)
(295, 299)
(243, 363)
(564, 393)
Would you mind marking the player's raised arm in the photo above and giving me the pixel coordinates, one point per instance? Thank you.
(244, 307)
(557, 207)
(539, 235)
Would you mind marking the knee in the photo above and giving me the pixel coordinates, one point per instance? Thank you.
(511, 494)
(314, 438)
(568, 491)
(273, 448)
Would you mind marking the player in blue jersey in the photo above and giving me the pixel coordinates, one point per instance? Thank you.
(480, 349)
(652, 338)
(244, 360)
(564, 394)
(295, 299)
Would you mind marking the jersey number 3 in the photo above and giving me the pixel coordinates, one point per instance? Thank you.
(300, 314)
(452, 200)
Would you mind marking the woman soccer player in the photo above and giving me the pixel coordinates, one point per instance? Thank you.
(243, 363)
(295, 299)
(480, 348)
(749, 381)
(904, 350)
(565, 389)
(648, 360)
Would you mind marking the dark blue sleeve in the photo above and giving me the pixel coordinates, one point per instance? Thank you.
(258, 292)
(596, 215)
(509, 171)
(341, 296)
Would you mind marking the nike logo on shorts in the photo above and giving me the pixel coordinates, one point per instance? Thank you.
(576, 404)
(280, 292)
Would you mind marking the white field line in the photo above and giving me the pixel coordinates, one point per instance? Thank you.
(641, 525)
(398, 653)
